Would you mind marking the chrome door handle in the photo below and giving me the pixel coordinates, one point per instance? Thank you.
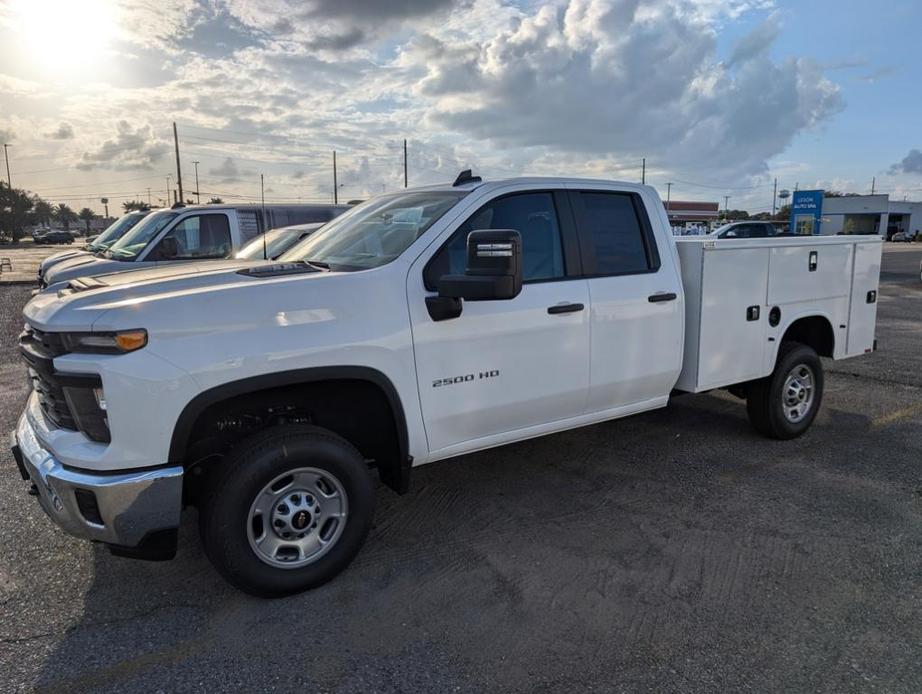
(661, 296)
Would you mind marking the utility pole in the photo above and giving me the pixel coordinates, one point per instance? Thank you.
(198, 197)
(873, 184)
(262, 195)
(6, 156)
(643, 171)
(774, 197)
(148, 197)
(181, 199)
(404, 163)
(726, 206)
(668, 195)
(168, 177)
(335, 184)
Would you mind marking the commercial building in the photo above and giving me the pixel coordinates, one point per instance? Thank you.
(684, 213)
(812, 212)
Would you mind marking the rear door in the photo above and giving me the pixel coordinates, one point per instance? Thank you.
(635, 293)
(504, 366)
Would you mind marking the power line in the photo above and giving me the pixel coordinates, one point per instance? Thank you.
(716, 187)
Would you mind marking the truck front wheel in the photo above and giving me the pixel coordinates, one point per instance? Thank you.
(784, 404)
(287, 510)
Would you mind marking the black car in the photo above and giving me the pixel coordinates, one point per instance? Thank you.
(53, 236)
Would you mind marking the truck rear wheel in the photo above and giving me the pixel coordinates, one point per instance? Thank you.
(784, 404)
(288, 510)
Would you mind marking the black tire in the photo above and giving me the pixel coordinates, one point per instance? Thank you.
(765, 401)
(232, 489)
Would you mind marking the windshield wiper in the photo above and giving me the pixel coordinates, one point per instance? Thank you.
(318, 263)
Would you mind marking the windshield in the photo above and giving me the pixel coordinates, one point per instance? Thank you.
(721, 229)
(115, 231)
(277, 242)
(374, 233)
(135, 240)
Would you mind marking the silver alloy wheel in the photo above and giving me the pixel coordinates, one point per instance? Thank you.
(297, 518)
(797, 393)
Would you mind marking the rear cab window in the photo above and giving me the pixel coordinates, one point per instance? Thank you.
(615, 234)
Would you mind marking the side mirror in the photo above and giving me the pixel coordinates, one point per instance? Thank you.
(493, 273)
(167, 249)
(494, 268)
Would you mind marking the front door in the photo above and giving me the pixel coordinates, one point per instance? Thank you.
(504, 366)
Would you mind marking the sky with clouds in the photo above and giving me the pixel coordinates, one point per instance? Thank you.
(719, 96)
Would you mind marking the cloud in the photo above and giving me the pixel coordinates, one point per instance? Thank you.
(334, 25)
(757, 42)
(132, 148)
(622, 78)
(229, 172)
(910, 164)
(65, 131)
(6, 135)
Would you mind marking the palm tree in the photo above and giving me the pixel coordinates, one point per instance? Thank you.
(64, 214)
(42, 211)
(132, 205)
(87, 215)
(216, 201)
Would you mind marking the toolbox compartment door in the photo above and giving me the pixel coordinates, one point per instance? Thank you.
(862, 314)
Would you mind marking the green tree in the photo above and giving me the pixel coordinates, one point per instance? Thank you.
(783, 214)
(86, 215)
(65, 215)
(216, 201)
(15, 206)
(42, 211)
(132, 205)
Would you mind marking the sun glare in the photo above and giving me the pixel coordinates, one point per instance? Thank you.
(65, 35)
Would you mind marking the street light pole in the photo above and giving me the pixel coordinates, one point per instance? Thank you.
(168, 177)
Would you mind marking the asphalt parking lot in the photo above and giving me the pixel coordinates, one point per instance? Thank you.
(672, 551)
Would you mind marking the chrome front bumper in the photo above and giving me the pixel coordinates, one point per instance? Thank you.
(122, 509)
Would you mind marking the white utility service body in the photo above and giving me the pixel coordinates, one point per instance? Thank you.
(369, 333)
(833, 277)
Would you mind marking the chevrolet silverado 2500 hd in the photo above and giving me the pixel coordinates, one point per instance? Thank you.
(418, 326)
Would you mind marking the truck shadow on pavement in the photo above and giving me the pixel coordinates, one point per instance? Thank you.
(672, 547)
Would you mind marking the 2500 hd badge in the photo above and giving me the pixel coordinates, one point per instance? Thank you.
(439, 382)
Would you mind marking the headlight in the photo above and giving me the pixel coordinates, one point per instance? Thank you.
(105, 343)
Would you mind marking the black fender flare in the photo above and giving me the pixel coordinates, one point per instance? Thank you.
(397, 479)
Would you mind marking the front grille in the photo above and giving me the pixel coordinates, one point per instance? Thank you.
(52, 400)
(39, 349)
(67, 400)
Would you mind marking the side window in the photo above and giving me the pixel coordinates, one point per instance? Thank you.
(533, 215)
(196, 238)
(618, 236)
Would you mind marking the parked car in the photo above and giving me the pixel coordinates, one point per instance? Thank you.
(902, 236)
(745, 230)
(272, 244)
(94, 245)
(53, 236)
(182, 234)
(422, 325)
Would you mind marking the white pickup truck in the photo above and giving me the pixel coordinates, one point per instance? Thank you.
(418, 326)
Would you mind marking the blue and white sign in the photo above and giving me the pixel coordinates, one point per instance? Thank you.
(806, 210)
